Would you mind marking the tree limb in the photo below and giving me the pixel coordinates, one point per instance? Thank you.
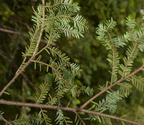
(112, 85)
(4, 102)
(15, 66)
(31, 58)
(7, 122)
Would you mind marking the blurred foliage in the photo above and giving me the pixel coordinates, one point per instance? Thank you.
(15, 15)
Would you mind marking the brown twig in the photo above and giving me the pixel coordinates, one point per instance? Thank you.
(112, 85)
(7, 122)
(31, 58)
(4, 102)
(80, 118)
(13, 32)
(23, 34)
(17, 21)
(15, 66)
(39, 62)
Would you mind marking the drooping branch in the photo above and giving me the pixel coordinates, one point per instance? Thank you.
(4, 102)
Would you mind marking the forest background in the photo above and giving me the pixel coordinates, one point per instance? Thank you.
(15, 21)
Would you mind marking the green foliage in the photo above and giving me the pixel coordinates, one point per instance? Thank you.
(140, 115)
(89, 91)
(137, 82)
(110, 102)
(46, 119)
(1, 113)
(60, 117)
(125, 88)
(44, 88)
(102, 120)
(60, 89)
(133, 38)
(77, 121)
(28, 120)
(68, 121)
(111, 43)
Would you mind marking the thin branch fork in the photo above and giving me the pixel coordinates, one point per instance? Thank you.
(112, 85)
(5, 102)
(15, 66)
(32, 57)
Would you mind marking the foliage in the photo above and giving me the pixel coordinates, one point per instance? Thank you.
(58, 88)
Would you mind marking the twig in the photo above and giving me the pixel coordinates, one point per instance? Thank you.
(35, 61)
(7, 122)
(13, 32)
(69, 18)
(17, 21)
(31, 58)
(80, 118)
(4, 102)
(23, 34)
(23, 74)
(112, 85)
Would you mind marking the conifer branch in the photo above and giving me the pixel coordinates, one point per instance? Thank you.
(35, 61)
(138, 81)
(65, 16)
(32, 57)
(43, 48)
(80, 118)
(112, 85)
(4, 102)
(42, 28)
(129, 59)
(52, 21)
(113, 72)
(15, 66)
(67, 30)
(120, 41)
(59, 4)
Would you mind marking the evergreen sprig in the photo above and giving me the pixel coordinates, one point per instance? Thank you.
(44, 89)
(60, 17)
(133, 38)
